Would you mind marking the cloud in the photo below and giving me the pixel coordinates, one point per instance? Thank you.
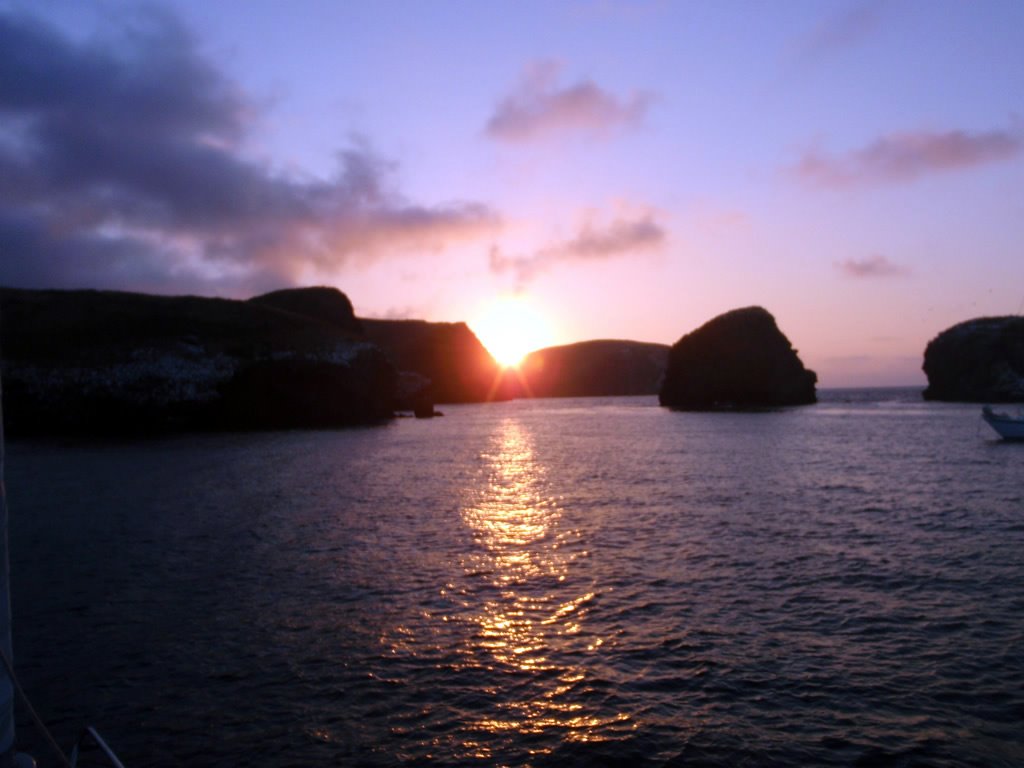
(34, 255)
(121, 164)
(902, 157)
(623, 236)
(875, 265)
(540, 108)
(844, 29)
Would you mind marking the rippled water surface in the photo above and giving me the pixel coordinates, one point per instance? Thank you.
(556, 582)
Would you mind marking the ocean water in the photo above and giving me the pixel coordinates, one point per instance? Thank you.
(538, 583)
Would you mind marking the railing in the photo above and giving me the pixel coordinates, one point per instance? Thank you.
(90, 732)
(5, 643)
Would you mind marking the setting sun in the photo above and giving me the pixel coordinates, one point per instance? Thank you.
(511, 328)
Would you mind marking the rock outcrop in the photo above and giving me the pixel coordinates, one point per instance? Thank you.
(326, 305)
(979, 360)
(107, 362)
(737, 360)
(450, 355)
(601, 368)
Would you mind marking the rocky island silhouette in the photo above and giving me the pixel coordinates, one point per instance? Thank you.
(109, 362)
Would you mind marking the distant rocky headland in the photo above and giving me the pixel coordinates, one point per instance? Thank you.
(447, 356)
(980, 360)
(112, 362)
(436, 362)
(602, 368)
(109, 362)
(737, 360)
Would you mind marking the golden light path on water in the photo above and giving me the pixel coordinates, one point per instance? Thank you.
(531, 623)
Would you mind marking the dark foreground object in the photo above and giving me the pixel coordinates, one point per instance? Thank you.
(977, 361)
(737, 360)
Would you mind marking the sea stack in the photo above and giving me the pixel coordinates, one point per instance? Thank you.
(980, 360)
(737, 360)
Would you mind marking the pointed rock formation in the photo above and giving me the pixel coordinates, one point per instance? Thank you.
(737, 360)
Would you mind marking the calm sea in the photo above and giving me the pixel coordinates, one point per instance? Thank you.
(549, 583)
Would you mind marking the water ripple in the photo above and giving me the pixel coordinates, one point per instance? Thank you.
(534, 584)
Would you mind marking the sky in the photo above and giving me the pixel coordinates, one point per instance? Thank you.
(623, 169)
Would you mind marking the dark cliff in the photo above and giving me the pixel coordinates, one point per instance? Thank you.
(599, 368)
(105, 362)
(450, 355)
(979, 360)
(737, 360)
(439, 362)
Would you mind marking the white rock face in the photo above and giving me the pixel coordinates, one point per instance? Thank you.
(151, 377)
(342, 353)
(161, 377)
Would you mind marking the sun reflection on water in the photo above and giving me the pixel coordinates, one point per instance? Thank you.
(510, 515)
(530, 619)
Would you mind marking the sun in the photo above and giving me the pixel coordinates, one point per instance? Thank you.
(510, 327)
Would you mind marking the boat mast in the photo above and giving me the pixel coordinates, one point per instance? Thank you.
(6, 684)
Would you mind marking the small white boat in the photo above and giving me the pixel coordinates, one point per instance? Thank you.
(1009, 427)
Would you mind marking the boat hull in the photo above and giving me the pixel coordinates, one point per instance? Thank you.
(1008, 427)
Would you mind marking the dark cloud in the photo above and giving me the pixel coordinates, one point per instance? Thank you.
(540, 107)
(121, 164)
(908, 156)
(68, 260)
(875, 265)
(622, 237)
(147, 78)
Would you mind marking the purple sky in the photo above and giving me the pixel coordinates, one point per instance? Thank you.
(628, 169)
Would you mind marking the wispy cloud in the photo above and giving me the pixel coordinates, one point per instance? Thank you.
(120, 166)
(540, 107)
(902, 157)
(623, 236)
(844, 29)
(872, 266)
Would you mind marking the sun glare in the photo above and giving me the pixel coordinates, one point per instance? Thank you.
(511, 328)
